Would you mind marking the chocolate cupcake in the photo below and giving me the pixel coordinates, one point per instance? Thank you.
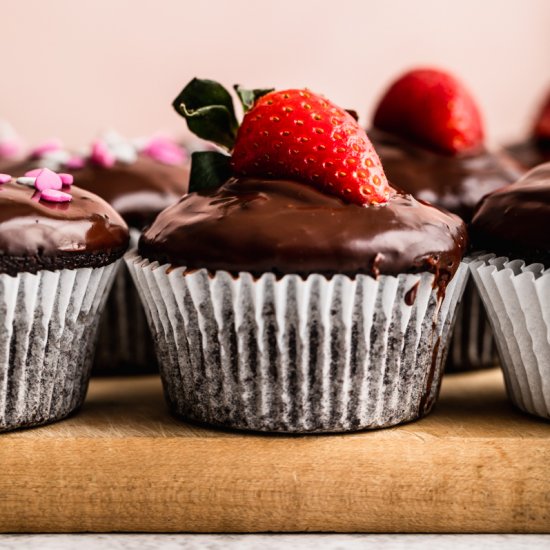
(429, 134)
(513, 225)
(59, 250)
(535, 149)
(138, 179)
(293, 289)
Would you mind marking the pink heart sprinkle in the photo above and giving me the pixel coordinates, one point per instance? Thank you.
(75, 163)
(165, 150)
(53, 195)
(66, 179)
(101, 155)
(33, 173)
(9, 149)
(47, 179)
(4, 178)
(47, 147)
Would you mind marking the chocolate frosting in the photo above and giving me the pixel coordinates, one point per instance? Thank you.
(515, 221)
(36, 234)
(530, 153)
(288, 227)
(455, 183)
(138, 191)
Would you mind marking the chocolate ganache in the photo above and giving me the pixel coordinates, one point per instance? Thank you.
(36, 234)
(515, 221)
(286, 227)
(456, 183)
(138, 190)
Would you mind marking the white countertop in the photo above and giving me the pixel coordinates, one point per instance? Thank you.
(273, 542)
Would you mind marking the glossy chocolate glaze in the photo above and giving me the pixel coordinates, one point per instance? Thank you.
(515, 221)
(288, 227)
(530, 153)
(138, 191)
(36, 234)
(454, 183)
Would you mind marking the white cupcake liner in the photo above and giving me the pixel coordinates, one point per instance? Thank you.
(517, 299)
(472, 345)
(125, 345)
(295, 355)
(48, 324)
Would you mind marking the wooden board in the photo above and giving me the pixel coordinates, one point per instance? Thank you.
(124, 464)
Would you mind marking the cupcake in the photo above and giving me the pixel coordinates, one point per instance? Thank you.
(535, 149)
(512, 225)
(138, 179)
(293, 289)
(429, 134)
(10, 146)
(59, 250)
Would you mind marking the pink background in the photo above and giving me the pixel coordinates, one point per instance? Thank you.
(71, 68)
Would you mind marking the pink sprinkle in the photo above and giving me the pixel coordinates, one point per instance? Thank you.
(4, 178)
(9, 148)
(47, 147)
(165, 150)
(101, 155)
(33, 173)
(47, 179)
(75, 163)
(53, 195)
(66, 179)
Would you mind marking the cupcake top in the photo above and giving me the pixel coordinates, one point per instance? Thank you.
(283, 226)
(45, 224)
(429, 134)
(302, 193)
(137, 179)
(515, 221)
(535, 149)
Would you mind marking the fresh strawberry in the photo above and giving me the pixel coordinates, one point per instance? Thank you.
(542, 125)
(433, 108)
(300, 135)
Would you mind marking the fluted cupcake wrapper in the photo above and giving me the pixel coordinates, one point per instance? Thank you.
(472, 345)
(297, 355)
(48, 325)
(125, 345)
(517, 299)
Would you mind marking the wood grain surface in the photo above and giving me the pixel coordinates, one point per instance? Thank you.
(124, 464)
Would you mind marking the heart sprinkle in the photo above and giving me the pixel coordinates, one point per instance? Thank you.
(101, 154)
(53, 195)
(26, 180)
(66, 179)
(46, 147)
(47, 179)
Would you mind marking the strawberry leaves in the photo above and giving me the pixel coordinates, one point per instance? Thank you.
(208, 109)
(208, 169)
(249, 97)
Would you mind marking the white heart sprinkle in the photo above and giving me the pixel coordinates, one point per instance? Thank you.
(26, 180)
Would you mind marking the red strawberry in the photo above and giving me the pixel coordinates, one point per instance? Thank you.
(542, 125)
(301, 135)
(433, 108)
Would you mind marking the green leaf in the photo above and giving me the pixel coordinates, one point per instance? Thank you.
(208, 108)
(249, 97)
(208, 169)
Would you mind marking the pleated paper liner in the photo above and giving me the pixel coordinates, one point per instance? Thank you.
(517, 299)
(48, 328)
(472, 345)
(125, 344)
(295, 355)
